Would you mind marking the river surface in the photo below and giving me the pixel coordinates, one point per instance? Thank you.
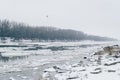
(26, 60)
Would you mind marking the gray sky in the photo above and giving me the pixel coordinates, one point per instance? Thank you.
(98, 17)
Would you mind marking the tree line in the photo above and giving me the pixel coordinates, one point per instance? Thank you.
(23, 31)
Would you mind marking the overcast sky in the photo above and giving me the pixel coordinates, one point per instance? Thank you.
(98, 17)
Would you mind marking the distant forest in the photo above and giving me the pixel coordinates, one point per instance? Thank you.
(23, 31)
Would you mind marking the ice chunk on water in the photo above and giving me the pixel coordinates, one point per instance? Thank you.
(11, 78)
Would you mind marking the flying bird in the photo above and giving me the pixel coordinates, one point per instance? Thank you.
(47, 16)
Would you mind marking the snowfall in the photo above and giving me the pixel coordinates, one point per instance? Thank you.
(59, 60)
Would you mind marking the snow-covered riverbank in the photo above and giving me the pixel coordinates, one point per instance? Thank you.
(107, 67)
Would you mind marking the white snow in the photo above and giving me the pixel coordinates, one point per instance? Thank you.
(74, 54)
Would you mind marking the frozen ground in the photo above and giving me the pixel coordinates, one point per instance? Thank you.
(28, 60)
